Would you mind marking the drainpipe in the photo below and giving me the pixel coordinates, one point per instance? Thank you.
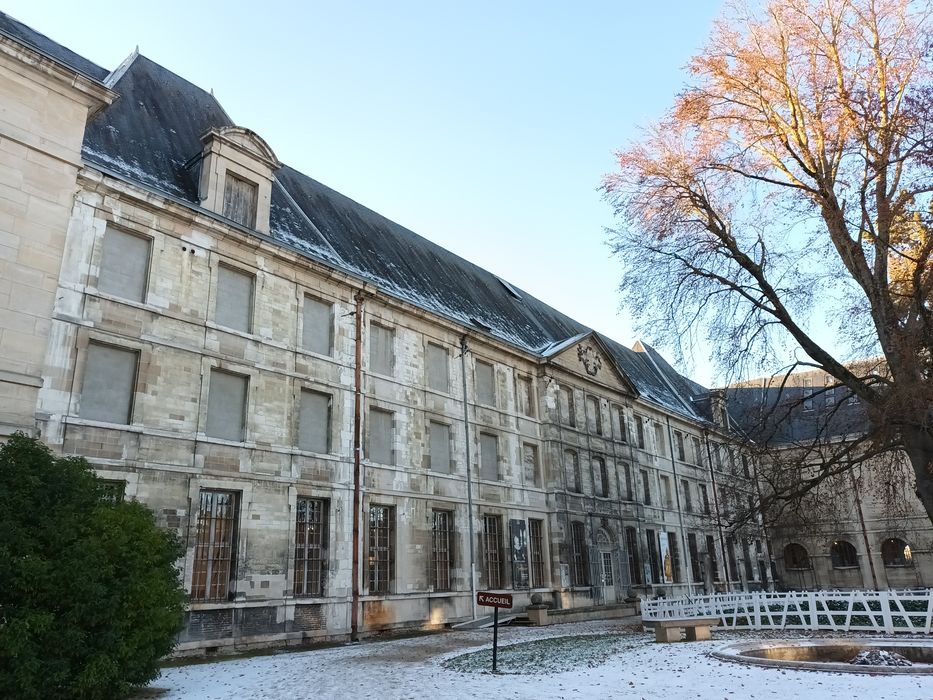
(680, 511)
(712, 476)
(861, 519)
(357, 468)
(469, 474)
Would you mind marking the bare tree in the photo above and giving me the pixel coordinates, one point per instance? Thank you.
(786, 194)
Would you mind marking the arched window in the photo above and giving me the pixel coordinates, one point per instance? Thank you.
(843, 555)
(896, 552)
(796, 557)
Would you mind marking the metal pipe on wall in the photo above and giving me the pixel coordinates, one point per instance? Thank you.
(357, 467)
(469, 474)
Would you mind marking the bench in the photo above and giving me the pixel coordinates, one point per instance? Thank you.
(696, 628)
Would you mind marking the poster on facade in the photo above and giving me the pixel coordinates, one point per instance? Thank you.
(518, 536)
(667, 563)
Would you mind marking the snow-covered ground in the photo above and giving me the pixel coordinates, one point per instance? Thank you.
(414, 668)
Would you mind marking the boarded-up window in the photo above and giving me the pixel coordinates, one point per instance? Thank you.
(565, 406)
(381, 349)
(310, 546)
(492, 550)
(124, 265)
(525, 396)
(240, 200)
(234, 299)
(594, 417)
(489, 457)
(441, 549)
(439, 435)
(659, 441)
(485, 383)
(109, 383)
(530, 464)
(314, 421)
(317, 326)
(536, 551)
(579, 569)
(572, 469)
(215, 546)
(437, 367)
(379, 430)
(226, 405)
(381, 548)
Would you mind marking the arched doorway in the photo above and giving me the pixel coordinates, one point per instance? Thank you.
(607, 568)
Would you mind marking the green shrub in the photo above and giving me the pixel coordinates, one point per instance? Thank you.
(90, 599)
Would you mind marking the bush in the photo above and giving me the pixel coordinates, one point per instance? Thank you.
(90, 598)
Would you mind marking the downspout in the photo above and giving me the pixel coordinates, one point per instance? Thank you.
(861, 519)
(680, 512)
(357, 467)
(712, 476)
(469, 474)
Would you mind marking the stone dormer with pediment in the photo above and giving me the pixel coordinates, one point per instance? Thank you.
(237, 169)
(588, 357)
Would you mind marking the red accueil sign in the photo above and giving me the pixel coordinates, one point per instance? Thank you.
(494, 600)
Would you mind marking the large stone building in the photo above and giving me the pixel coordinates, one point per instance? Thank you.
(351, 428)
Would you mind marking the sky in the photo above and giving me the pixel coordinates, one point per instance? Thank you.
(484, 126)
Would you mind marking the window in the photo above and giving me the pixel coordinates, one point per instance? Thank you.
(711, 550)
(808, 394)
(634, 563)
(565, 406)
(314, 421)
(746, 469)
(536, 544)
(524, 393)
(317, 326)
(601, 473)
(381, 349)
(109, 383)
(697, 450)
(381, 547)
(679, 444)
(896, 552)
(240, 200)
(762, 569)
(688, 501)
(439, 436)
(795, 557)
(124, 265)
(441, 551)
(666, 490)
(485, 383)
(749, 574)
(111, 490)
(234, 299)
(717, 455)
(659, 439)
(653, 557)
(226, 405)
(646, 487)
(437, 368)
(674, 549)
(215, 547)
(530, 464)
(379, 431)
(492, 550)
(843, 555)
(733, 570)
(621, 425)
(830, 392)
(704, 498)
(488, 457)
(640, 431)
(310, 546)
(594, 417)
(629, 487)
(572, 467)
(694, 557)
(579, 568)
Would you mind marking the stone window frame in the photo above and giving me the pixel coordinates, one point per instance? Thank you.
(597, 427)
(451, 467)
(498, 438)
(901, 557)
(532, 411)
(392, 332)
(84, 341)
(375, 584)
(573, 469)
(427, 372)
(323, 494)
(843, 554)
(442, 557)
(570, 418)
(324, 390)
(537, 548)
(538, 476)
(485, 400)
(367, 435)
(579, 566)
(305, 294)
(211, 321)
(601, 475)
(320, 568)
(253, 375)
(98, 259)
(493, 553)
(796, 557)
(245, 432)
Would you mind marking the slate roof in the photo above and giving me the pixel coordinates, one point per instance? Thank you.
(151, 135)
(41, 43)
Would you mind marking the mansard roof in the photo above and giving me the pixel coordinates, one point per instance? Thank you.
(151, 136)
(41, 43)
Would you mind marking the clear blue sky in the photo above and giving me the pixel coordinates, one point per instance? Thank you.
(484, 126)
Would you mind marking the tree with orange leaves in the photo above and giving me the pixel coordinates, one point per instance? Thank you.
(787, 191)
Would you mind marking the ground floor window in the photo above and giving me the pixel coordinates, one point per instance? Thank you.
(579, 567)
(492, 550)
(310, 546)
(215, 546)
(381, 547)
(536, 545)
(441, 554)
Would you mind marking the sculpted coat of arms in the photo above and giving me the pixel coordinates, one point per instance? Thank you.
(590, 358)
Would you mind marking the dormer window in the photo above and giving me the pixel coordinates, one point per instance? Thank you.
(240, 200)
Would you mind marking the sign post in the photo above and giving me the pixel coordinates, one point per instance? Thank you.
(495, 601)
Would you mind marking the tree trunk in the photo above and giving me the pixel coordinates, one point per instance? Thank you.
(918, 444)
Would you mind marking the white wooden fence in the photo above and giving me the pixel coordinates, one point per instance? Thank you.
(840, 611)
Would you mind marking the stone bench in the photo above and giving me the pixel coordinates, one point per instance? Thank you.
(696, 628)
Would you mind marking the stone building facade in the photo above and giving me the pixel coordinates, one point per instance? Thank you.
(351, 429)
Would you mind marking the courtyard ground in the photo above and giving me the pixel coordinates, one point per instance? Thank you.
(630, 665)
